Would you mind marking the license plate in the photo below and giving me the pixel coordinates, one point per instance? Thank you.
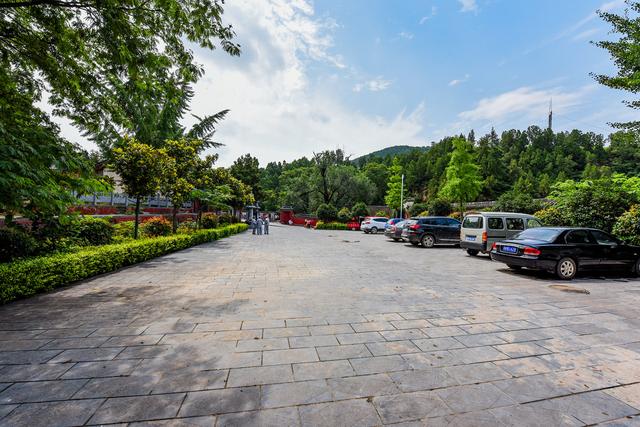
(471, 238)
(509, 249)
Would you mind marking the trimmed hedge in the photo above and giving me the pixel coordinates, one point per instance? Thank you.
(331, 226)
(27, 277)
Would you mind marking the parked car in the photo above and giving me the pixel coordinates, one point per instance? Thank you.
(391, 222)
(373, 224)
(395, 231)
(481, 230)
(565, 251)
(432, 230)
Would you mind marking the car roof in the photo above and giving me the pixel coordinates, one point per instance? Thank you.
(423, 217)
(513, 214)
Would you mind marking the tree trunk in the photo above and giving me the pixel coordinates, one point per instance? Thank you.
(136, 222)
(174, 218)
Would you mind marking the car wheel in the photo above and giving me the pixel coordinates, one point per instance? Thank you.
(566, 269)
(472, 252)
(514, 267)
(636, 269)
(374, 230)
(428, 241)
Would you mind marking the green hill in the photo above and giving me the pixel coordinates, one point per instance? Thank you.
(390, 151)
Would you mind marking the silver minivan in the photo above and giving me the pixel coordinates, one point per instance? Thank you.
(480, 231)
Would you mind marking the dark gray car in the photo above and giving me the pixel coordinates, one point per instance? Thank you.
(395, 231)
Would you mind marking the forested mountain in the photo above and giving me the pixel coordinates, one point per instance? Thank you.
(392, 151)
(529, 161)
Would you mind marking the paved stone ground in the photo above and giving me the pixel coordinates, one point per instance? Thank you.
(328, 328)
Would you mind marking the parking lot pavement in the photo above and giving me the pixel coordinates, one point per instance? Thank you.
(307, 327)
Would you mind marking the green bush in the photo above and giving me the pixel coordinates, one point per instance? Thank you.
(331, 226)
(225, 219)
(627, 227)
(359, 210)
(94, 231)
(209, 220)
(381, 213)
(187, 226)
(123, 230)
(326, 212)
(417, 208)
(16, 243)
(551, 216)
(439, 207)
(514, 201)
(27, 277)
(344, 215)
(155, 227)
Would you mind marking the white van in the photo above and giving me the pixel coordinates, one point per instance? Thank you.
(480, 231)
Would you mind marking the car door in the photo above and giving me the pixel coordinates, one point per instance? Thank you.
(453, 229)
(612, 252)
(584, 248)
(514, 226)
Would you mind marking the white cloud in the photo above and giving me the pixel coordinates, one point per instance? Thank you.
(524, 102)
(468, 5)
(279, 109)
(406, 35)
(585, 34)
(434, 11)
(456, 82)
(375, 85)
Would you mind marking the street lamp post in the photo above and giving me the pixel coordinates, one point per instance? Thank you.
(401, 194)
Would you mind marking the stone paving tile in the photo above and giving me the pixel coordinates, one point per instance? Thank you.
(60, 414)
(4, 386)
(169, 328)
(394, 347)
(362, 386)
(40, 391)
(590, 408)
(207, 421)
(6, 410)
(313, 341)
(477, 354)
(474, 397)
(304, 322)
(525, 366)
(134, 340)
(529, 416)
(629, 421)
(455, 321)
(350, 413)
(331, 329)
(142, 352)
(190, 381)
(521, 349)
(116, 331)
(436, 344)
(321, 370)
(429, 360)
(383, 316)
(410, 324)
(87, 355)
(264, 344)
(359, 338)
(410, 406)
(373, 326)
(481, 328)
(298, 393)
(375, 365)
(239, 335)
(109, 368)
(343, 352)
(402, 335)
(480, 340)
(514, 325)
(299, 331)
(262, 324)
(236, 360)
(212, 402)
(629, 394)
(281, 357)
(138, 408)
(27, 357)
(531, 388)
(67, 343)
(118, 386)
(260, 375)
(477, 373)
(219, 326)
(426, 379)
(283, 417)
(444, 331)
(33, 372)
(20, 345)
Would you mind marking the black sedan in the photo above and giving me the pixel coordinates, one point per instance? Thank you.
(564, 251)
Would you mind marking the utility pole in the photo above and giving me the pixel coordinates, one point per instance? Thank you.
(401, 194)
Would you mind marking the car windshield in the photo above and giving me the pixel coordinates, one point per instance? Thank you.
(472, 222)
(542, 234)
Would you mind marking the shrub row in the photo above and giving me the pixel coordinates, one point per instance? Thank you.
(331, 226)
(24, 278)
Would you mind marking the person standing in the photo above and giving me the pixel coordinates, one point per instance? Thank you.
(254, 225)
(259, 226)
(266, 225)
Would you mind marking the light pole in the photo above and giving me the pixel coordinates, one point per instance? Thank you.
(401, 194)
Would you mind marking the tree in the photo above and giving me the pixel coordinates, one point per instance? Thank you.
(394, 186)
(359, 210)
(463, 181)
(377, 173)
(143, 170)
(247, 169)
(624, 53)
(327, 212)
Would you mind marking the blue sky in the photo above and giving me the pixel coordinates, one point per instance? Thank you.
(365, 74)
